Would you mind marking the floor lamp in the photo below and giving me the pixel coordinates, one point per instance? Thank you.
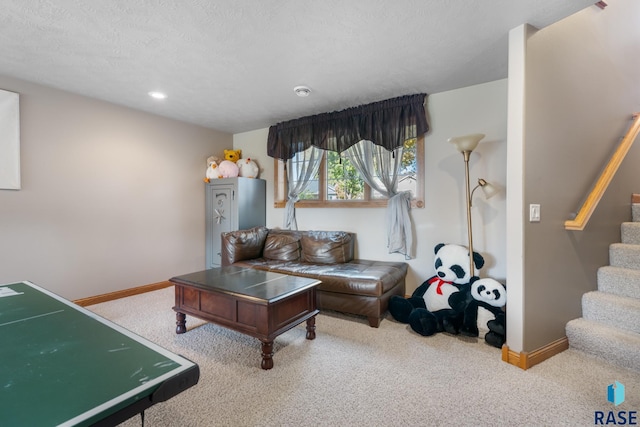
(466, 144)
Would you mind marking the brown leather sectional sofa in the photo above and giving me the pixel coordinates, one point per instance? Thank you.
(349, 285)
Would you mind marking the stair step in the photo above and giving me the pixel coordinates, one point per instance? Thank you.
(630, 233)
(619, 281)
(624, 255)
(612, 310)
(613, 345)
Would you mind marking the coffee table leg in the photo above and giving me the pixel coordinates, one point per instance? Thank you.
(311, 328)
(267, 354)
(181, 323)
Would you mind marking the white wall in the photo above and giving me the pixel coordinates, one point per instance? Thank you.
(481, 108)
(581, 89)
(111, 198)
(515, 168)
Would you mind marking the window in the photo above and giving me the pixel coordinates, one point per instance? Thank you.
(337, 183)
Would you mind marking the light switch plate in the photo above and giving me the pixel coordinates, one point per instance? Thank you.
(534, 213)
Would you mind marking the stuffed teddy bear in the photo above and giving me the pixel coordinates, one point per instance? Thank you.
(228, 169)
(489, 294)
(428, 311)
(212, 169)
(232, 155)
(248, 168)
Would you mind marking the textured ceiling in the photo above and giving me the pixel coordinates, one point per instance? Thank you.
(232, 65)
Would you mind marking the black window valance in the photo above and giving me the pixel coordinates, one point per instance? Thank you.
(386, 123)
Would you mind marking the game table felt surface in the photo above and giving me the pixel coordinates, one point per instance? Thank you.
(61, 364)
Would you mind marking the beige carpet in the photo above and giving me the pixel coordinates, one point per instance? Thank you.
(354, 375)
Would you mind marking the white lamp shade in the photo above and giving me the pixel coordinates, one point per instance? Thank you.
(466, 142)
(489, 190)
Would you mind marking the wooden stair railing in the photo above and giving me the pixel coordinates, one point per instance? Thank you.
(592, 200)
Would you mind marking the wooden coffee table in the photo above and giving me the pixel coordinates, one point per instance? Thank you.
(257, 303)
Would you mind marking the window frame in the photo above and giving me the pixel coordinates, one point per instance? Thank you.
(280, 187)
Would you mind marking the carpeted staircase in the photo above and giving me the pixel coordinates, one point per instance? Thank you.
(610, 324)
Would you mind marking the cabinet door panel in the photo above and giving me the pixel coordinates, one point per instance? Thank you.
(220, 218)
(231, 204)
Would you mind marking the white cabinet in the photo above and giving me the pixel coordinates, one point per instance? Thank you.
(232, 204)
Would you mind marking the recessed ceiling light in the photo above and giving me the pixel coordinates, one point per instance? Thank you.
(302, 90)
(157, 95)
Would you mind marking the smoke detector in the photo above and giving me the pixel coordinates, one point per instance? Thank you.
(302, 91)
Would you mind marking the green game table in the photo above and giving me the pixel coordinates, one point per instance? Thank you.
(61, 364)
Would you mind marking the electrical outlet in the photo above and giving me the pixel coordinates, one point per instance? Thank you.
(534, 213)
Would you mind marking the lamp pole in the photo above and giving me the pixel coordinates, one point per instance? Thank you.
(466, 154)
(466, 144)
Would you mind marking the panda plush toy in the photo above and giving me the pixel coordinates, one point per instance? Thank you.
(428, 311)
(490, 295)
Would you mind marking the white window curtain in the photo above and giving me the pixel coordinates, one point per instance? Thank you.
(379, 168)
(300, 170)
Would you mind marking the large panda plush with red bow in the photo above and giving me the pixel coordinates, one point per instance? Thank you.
(428, 310)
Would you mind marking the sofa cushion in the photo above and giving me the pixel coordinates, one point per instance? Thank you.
(244, 244)
(327, 247)
(357, 277)
(282, 246)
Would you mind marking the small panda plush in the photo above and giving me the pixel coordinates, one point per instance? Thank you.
(428, 310)
(489, 294)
